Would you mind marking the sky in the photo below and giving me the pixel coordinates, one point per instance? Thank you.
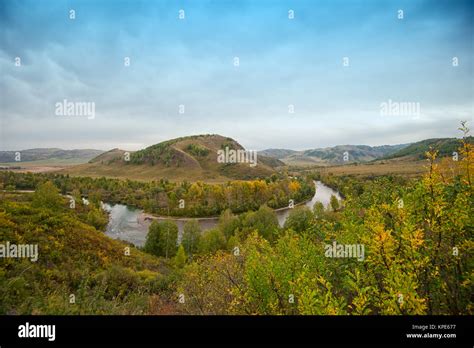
(314, 80)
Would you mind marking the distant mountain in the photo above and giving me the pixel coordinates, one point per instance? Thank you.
(51, 155)
(445, 147)
(277, 153)
(333, 155)
(189, 158)
(107, 157)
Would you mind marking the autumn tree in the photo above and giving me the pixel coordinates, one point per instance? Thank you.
(47, 196)
(299, 219)
(191, 236)
(228, 223)
(180, 258)
(211, 241)
(162, 239)
(264, 221)
(334, 202)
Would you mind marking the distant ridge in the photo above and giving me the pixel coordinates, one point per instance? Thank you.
(50, 154)
(333, 155)
(445, 147)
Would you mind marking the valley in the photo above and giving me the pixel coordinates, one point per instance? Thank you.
(240, 234)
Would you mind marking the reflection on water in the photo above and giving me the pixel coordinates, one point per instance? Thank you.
(323, 194)
(124, 224)
(127, 223)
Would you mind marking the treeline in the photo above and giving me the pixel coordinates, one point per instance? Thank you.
(175, 199)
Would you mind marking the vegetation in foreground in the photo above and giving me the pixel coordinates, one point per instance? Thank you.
(79, 270)
(418, 244)
(417, 236)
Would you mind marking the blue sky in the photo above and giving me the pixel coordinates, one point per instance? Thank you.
(189, 62)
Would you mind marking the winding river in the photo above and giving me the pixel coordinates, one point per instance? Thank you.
(131, 225)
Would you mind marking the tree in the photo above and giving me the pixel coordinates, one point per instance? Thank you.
(47, 196)
(265, 221)
(299, 219)
(180, 258)
(162, 239)
(191, 235)
(228, 223)
(97, 218)
(334, 203)
(211, 241)
(318, 209)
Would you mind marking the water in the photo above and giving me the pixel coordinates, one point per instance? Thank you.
(124, 224)
(323, 194)
(129, 224)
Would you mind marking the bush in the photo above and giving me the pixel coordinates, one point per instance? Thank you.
(211, 241)
(299, 219)
(162, 239)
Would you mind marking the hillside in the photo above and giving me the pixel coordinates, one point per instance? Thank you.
(409, 161)
(277, 153)
(50, 155)
(109, 156)
(445, 146)
(333, 155)
(188, 158)
(73, 257)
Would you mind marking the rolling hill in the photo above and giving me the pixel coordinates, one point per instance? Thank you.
(278, 153)
(188, 158)
(50, 155)
(445, 147)
(333, 155)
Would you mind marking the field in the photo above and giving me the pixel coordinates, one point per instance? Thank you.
(405, 167)
(143, 173)
(393, 167)
(43, 166)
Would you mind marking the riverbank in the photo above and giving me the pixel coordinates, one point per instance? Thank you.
(131, 224)
(147, 216)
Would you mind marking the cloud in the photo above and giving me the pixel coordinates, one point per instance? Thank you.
(190, 62)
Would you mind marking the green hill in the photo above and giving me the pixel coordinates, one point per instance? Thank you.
(445, 147)
(333, 155)
(187, 158)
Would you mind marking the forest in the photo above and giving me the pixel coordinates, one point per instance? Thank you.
(198, 199)
(416, 232)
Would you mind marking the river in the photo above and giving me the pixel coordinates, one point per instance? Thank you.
(128, 224)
